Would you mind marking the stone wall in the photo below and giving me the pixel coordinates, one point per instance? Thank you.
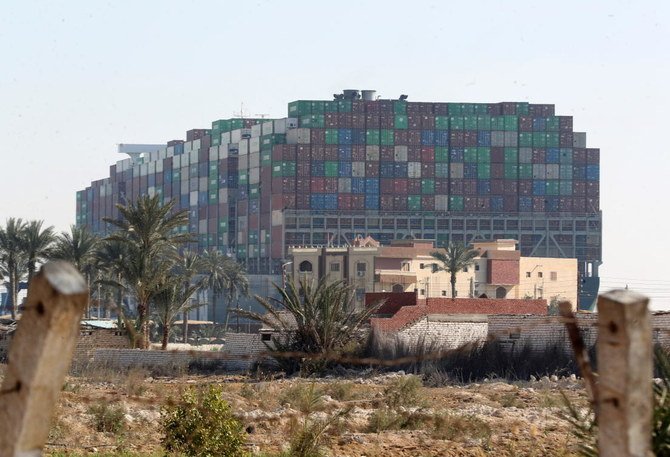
(169, 361)
(444, 333)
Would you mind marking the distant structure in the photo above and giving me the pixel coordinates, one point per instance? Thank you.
(362, 165)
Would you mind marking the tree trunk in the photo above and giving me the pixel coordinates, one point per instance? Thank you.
(143, 336)
(453, 284)
(166, 336)
(213, 307)
(31, 270)
(184, 326)
(13, 280)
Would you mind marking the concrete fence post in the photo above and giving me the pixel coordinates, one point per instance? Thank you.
(625, 367)
(39, 358)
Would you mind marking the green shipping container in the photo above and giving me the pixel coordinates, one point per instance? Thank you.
(441, 154)
(565, 187)
(456, 203)
(243, 178)
(318, 107)
(428, 186)
(253, 191)
(470, 155)
(400, 107)
(552, 139)
(213, 197)
(565, 171)
(525, 171)
(276, 138)
(525, 140)
(414, 202)
(442, 122)
(469, 109)
(387, 137)
(344, 106)
(286, 168)
(316, 121)
(481, 108)
(331, 136)
(511, 155)
(266, 158)
(511, 123)
(511, 171)
(522, 109)
(483, 155)
(484, 171)
(222, 125)
(330, 107)
(455, 109)
(236, 124)
(456, 122)
(371, 136)
(470, 122)
(552, 124)
(539, 139)
(497, 123)
(483, 122)
(223, 225)
(400, 121)
(441, 169)
(552, 187)
(331, 169)
(299, 108)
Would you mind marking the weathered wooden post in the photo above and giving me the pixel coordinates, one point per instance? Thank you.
(625, 367)
(39, 358)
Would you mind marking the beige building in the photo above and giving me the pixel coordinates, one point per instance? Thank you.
(407, 265)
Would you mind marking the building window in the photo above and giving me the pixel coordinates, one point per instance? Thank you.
(397, 288)
(465, 269)
(266, 336)
(553, 276)
(335, 266)
(305, 266)
(501, 292)
(405, 266)
(539, 274)
(528, 274)
(476, 267)
(360, 269)
(422, 292)
(421, 266)
(444, 293)
(360, 293)
(435, 268)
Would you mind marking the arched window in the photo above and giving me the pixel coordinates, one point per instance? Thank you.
(305, 266)
(501, 292)
(397, 288)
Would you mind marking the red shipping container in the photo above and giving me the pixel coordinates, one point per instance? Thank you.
(494, 109)
(344, 201)
(510, 203)
(428, 154)
(510, 187)
(357, 202)
(303, 185)
(387, 186)
(428, 203)
(318, 136)
(358, 106)
(242, 207)
(592, 204)
(357, 121)
(440, 109)
(371, 107)
(593, 156)
(288, 185)
(277, 245)
(470, 187)
(386, 153)
(276, 184)
(400, 203)
(304, 169)
(539, 155)
(385, 106)
(456, 187)
(358, 153)
(387, 121)
(413, 153)
(509, 108)
(484, 204)
(525, 187)
(497, 155)
(318, 152)
(414, 121)
(470, 203)
(372, 169)
(565, 139)
(266, 174)
(497, 171)
(428, 170)
(469, 138)
(565, 204)
(565, 123)
(299, 152)
(579, 188)
(400, 137)
(592, 189)
(331, 120)
(330, 185)
(579, 205)
(414, 137)
(302, 201)
(318, 185)
(372, 120)
(400, 186)
(413, 186)
(289, 201)
(413, 108)
(427, 122)
(331, 153)
(525, 123)
(344, 121)
(538, 204)
(497, 187)
(203, 155)
(386, 203)
(579, 156)
(253, 221)
(456, 139)
(442, 186)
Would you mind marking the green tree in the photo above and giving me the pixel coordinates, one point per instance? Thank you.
(188, 266)
(223, 274)
(37, 244)
(237, 285)
(150, 232)
(13, 261)
(318, 319)
(454, 258)
(172, 298)
(78, 246)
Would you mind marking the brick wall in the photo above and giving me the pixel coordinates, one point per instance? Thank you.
(443, 334)
(500, 271)
(393, 301)
(91, 339)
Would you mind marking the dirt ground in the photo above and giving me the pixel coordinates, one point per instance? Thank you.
(381, 415)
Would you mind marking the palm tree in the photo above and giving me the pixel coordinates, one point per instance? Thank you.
(172, 298)
(77, 247)
(37, 244)
(456, 257)
(318, 318)
(150, 232)
(237, 284)
(215, 268)
(108, 262)
(13, 260)
(188, 266)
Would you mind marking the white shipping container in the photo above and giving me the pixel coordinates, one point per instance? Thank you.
(188, 147)
(497, 139)
(202, 226)
(151, 191)
(254, 145)
(553, 171)
(213, 153)
(176, 162)
(225, 138)
(579, 140)
(197, 143)
(291, 123)
(170, 150)
(254, 176)
(539, 171)
(456, 171)
(152, 168)
(256, 130)
(344, 185)
(277, 217)
(193, 198)
(414, 169)
(235, 135)
(144, 169)
(254, 160)
(223, 196)
(372, 153)
(298, 136)
(243, 147)
(223, 151)
(400, 154)
(358, 169)
(184, 174)
(184, 188)
(202, 184)
(159, 166)
(441, 203)
(525, 155)
(267, 128)
(511, 139)
(193, 184)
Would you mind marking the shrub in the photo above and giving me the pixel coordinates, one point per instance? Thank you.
(461, 428)
(403, 391)
(108, 418)
(202, 425)
(304, 398)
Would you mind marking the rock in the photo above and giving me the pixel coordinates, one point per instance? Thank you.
(573, 377)
(544, 379)
(533, 378)
(148, 415)
(554, 378)
(129, 418)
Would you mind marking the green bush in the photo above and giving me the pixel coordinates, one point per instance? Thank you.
(108, 418)
(203, 425)
(403, 391)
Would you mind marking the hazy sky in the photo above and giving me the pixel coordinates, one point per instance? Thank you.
(76, 78)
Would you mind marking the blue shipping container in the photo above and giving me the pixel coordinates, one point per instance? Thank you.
(427, 137)
(497, 203)
(579, 172)
(551, 204)
(372, 185)
(456, 155)
(592, 172)
(357, 185)
(525, 204)
(386, 170)
(371, 201)
(358, 136)
(318, 168)
(330, 201)
(484, 187)
(400, 170)
(553, 155)
(344, 152)
(539, 124)
(344, 136)
(317, 201)
(441, 137)
(539, 186)
(344, 169)
(484, 138)
(470, 170)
